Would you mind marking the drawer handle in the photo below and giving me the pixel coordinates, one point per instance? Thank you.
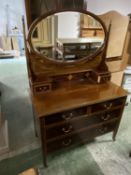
(69, 117)
(66, 143)
(108, 106)
(106, 117)
(67, 130)
(103, 130)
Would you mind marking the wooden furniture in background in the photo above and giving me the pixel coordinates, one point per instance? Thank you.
(118, 45)
(117, 51)
(73, 102)
(90, 27)
(10, 47)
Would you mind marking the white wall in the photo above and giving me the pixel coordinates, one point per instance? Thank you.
(68, 25)
(16, 9)
(102, 6)
(95, 6)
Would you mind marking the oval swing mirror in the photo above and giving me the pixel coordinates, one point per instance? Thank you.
(68, 37)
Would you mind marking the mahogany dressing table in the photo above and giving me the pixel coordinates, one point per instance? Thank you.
(74, 100)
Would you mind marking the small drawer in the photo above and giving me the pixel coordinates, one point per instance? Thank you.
(102, 117)
(107, 105)
(65, 116)
(42, 88)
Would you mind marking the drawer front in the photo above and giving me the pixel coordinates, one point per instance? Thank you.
(108, 104)
(80, 137)
(42, 88)
(76, 125)
(71, 114)
(65, 116)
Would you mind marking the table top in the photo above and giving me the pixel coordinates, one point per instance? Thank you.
(69, 98)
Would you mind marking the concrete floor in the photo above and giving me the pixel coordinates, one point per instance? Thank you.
(111, 158)
(16, 106)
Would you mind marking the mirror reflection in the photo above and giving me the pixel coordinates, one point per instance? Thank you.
(68, 36)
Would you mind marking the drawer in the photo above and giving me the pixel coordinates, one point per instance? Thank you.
(81, 137)
(72, 126)
(64, 129)
(71, 114)
(65, 116)
(107, 105)
(40, 88)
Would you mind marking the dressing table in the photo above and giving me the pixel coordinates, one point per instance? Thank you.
(73, 99)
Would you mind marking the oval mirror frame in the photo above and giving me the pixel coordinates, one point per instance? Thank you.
(84, 59)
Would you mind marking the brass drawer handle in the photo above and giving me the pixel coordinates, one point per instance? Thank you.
(106, 117)
(69, 117)
(67, 143)
(108, 106)
(67, 130)
(103, 130)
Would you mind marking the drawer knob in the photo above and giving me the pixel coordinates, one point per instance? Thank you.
(67, 117)
(103, 130)
(68, 129)
(67, 143)
(106, 117)
(108, 106)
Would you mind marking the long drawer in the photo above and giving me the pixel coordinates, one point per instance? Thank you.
(81, 137)
(65, 128)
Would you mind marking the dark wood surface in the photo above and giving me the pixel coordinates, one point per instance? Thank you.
(81, 119)
(73, 97)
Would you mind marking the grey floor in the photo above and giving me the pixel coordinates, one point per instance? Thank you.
(16, 106)
(111, 157)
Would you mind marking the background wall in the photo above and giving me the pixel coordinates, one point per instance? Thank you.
(97, 6)
(102, 6)
(65, 21)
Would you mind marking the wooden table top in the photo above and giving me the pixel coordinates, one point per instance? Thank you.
(65, 99)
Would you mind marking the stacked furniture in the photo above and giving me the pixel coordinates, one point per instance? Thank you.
(9, 47)
(75, 101)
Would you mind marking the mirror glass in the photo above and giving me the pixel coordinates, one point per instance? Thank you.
(68, 36)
